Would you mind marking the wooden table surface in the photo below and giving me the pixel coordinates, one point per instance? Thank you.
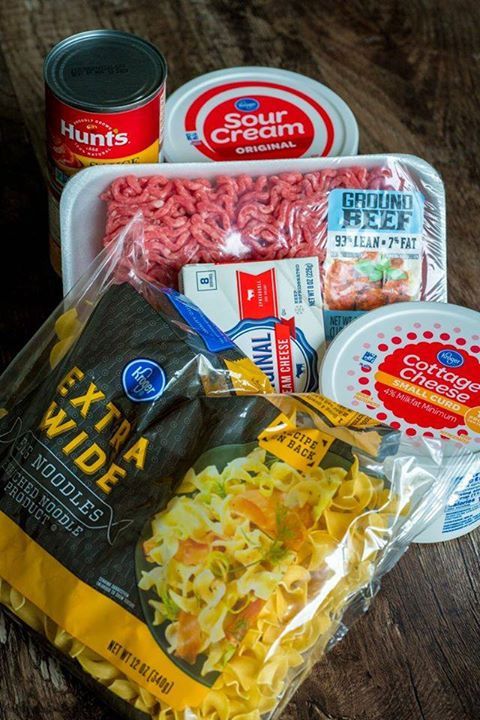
(410, 72)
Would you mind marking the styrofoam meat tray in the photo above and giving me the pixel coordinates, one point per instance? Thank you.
(83, 214)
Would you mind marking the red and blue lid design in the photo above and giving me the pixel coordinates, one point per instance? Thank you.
(249, 113)
(414, 366)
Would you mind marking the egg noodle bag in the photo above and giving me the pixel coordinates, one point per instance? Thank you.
(187, 543)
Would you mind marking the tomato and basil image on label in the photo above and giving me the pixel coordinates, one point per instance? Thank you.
(414, 366)
(250, 113)
(374, 253)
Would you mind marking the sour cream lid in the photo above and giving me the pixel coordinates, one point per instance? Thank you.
(249, 113)
(414, 366)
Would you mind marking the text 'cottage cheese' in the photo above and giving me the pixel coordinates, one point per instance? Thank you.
(253, 113)
(271, 309)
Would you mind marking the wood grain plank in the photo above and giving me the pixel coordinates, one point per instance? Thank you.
(30, 29)
(29, 288)
(411, 73)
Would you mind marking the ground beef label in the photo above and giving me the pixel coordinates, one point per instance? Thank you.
(374, 252)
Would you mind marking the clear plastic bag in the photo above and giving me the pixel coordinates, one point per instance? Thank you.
(188, 544)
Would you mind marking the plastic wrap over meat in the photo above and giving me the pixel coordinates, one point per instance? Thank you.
(379, 231)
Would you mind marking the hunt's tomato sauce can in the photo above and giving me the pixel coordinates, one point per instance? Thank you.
(105, 96)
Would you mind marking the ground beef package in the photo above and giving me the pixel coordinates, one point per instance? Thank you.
(187, 542)
(375, 223)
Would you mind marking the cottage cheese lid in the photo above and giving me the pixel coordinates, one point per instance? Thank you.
(414, 366)
(249, 113)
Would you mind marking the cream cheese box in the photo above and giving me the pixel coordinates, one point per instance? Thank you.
(271, 309)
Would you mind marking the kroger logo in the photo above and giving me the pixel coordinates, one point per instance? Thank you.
(143, 380)
(450, 358)
(247, 104)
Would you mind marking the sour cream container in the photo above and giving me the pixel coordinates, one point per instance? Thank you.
(254, 113)
(416, 367)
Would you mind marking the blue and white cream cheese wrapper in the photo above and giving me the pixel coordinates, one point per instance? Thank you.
(271, 309)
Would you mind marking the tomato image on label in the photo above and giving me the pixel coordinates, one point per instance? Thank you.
(62, 155)
(431, 385)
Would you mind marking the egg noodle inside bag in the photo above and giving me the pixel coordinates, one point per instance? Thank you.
(187, 542)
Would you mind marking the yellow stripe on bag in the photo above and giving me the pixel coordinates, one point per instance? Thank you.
(247, 378)
(92, 618)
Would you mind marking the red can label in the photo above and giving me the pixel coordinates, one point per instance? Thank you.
(78, 138)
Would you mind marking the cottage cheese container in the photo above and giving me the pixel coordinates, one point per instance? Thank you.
(255, 113)
(416, 366)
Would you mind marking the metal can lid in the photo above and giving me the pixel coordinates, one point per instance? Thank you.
(104, 70)
(414, 366)
(253, 113)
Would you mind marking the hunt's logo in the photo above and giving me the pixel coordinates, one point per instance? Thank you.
(92, 135)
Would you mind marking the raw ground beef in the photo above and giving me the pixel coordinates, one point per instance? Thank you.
(234, 218)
